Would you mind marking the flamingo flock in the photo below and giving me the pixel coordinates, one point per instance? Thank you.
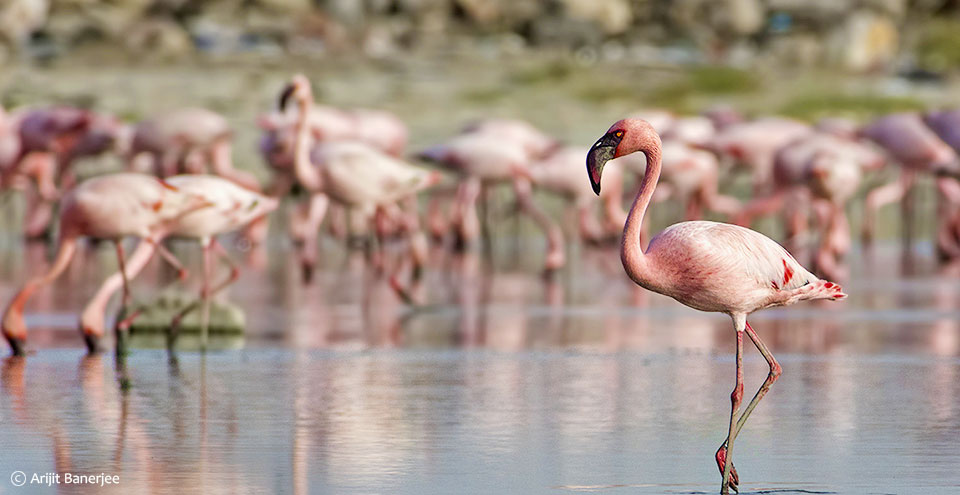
(360, 178)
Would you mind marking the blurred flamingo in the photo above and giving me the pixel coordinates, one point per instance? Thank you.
(484, 159)
(357, 176)
(917, 149)
(229, 207)
(708, 266)
(562, 173)
(107, 207)
(185, 140)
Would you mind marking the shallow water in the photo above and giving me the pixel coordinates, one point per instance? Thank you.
(501, 383)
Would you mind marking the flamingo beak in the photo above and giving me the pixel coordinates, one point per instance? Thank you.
(285, 96)
(602, 151)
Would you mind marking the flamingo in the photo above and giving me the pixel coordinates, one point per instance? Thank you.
(107, 207)
(561, 174)
(708, 266)
(484, 158)
(918, 149)
(42, 144)
(188, 138)
(229, 207)
(355, 175)
(805, 165)
(754, 144)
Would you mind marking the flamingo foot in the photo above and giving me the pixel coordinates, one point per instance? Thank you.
(734, 480)
(93, 343)
(306, 272)
(16, 346)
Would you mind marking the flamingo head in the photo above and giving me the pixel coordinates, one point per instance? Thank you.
(623, 138)
(298, 88)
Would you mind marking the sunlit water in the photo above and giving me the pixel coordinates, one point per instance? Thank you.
(501, 383)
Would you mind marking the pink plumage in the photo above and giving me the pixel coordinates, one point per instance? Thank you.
(708, 266)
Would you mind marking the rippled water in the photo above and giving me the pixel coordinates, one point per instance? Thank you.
(501, 383)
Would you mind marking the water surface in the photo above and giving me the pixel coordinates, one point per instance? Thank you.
(502, 383)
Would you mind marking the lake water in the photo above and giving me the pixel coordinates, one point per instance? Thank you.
(501, 383)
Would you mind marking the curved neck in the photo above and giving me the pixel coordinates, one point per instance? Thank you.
(306, 173)
(631, 251)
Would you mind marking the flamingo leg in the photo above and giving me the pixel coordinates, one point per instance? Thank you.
(169, 257)
(555, 255)
(881, 196)
(775, 372)
(315, 211)
(234, 270)
(465, 213)
(123, 272)
(724, 454)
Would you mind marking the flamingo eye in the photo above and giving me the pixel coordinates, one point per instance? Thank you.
(618, 134)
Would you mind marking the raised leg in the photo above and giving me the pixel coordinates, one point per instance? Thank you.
(169, 258)
(772, 376)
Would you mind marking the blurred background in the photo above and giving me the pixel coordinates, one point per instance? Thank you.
(500, 379)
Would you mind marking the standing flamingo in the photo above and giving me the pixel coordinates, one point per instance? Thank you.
(107, 207)
(355, 175)
(229, 207)
(708, 266)
(917, 149)
(188, 139)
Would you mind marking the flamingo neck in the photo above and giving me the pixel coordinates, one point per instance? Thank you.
(306, 173)
(631, 250)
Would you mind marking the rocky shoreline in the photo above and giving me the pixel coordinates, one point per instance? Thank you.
(857, 35)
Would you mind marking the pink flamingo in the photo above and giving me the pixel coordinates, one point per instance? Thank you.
(107, 207)
(229, 207)
(187, 139)
(917, 149)
(753, 144)
(489, 158)
(562, 173)
(946, 123)
(534, 142)
(355, 175)
(708, 266)
(793, 180)
(50, 141)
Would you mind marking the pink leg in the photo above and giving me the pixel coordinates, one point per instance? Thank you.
(879, 197)
(465, 215)
(123, 272)
(725, 453)
(590, 230)
(555, 254)
(39, 215)
(772, 376)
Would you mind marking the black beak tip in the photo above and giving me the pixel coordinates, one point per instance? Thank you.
(596, 187)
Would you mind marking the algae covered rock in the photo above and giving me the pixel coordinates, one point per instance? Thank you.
(156, 315)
